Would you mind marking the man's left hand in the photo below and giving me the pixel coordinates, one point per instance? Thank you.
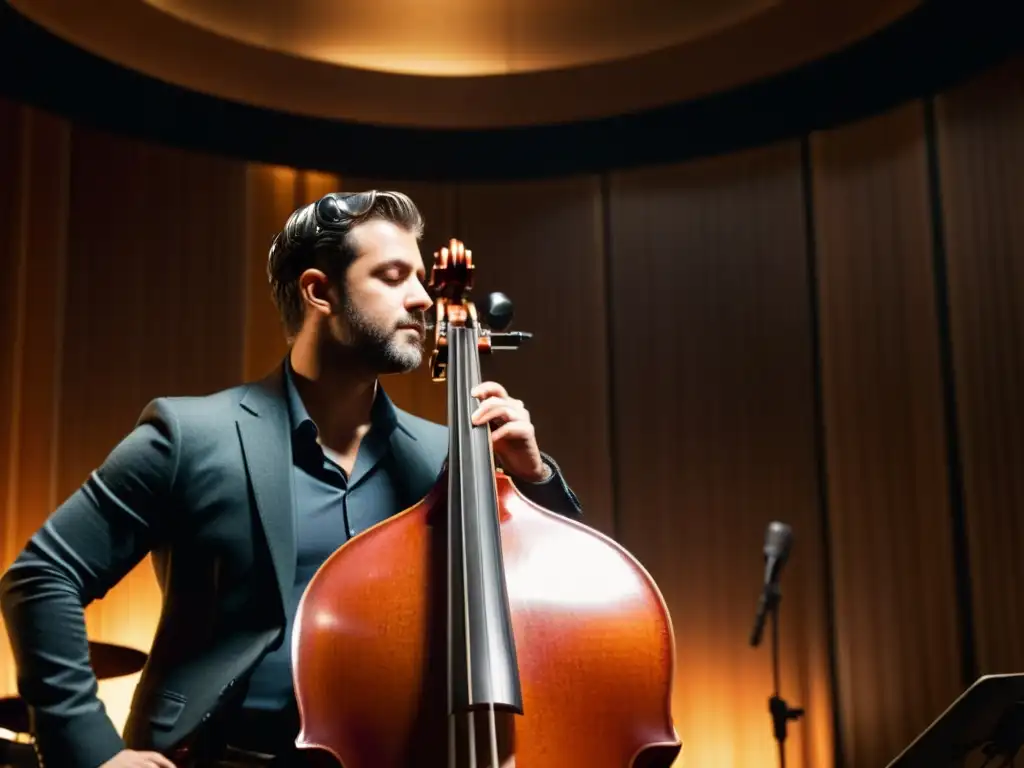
(512, 432)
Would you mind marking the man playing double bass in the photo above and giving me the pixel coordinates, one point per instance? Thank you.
(240, 496)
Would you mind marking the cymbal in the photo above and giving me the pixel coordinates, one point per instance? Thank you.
(107, 661)
(110, 660)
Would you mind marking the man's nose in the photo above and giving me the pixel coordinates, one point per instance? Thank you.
(419, 298)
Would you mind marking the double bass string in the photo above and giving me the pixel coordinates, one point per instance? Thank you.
(463, 476)
(492, 725)
(451, 618)
(473, 360)
(465, 429)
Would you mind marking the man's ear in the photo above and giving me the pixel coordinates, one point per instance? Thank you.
(316, 291)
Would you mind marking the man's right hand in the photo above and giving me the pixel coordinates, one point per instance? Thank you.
(131, 759)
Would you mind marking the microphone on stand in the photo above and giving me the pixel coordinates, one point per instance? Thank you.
(778, 540)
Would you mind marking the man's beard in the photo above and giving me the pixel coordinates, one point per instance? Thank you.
(379, 347)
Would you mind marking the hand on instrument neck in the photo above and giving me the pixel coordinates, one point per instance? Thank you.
(512, 433)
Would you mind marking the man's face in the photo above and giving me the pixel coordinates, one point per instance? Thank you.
(384, 303)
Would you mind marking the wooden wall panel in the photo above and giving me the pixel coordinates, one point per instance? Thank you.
(713, 408)
(271, 196)
(11, 181)
(896, 611)
(154, 307)
(35, 277)
(542, 244)
(981, 154)
(41, 280)
(312, 185)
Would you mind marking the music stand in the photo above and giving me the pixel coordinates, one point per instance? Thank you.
(984, 724)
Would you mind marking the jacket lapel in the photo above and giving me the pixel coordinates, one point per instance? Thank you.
(418, 470)
(264, 430)
(265, 433)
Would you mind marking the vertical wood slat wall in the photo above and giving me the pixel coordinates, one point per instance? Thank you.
(687, 320)
(714, 433)
(887, 485)
(980, 144)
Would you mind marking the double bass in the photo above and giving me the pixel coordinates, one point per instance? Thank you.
(476, 629)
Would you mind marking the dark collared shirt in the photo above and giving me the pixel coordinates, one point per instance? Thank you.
(330, 508)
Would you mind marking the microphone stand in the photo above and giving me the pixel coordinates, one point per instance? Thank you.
(780, 711)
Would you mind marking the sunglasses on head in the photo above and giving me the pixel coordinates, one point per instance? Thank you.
(336, 210)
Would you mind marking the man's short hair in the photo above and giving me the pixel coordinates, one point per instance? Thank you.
(316, 236)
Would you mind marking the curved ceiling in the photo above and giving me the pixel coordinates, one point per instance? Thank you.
(458, 64)
(462, 37)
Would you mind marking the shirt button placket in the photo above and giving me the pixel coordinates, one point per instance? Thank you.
(344, 513)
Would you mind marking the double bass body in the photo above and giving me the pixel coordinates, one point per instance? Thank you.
(476, 629)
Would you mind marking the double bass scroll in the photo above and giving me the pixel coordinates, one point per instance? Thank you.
(476, 629)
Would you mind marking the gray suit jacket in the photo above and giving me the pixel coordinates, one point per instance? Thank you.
(204, 484)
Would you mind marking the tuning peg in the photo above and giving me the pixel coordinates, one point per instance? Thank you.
(498, 311)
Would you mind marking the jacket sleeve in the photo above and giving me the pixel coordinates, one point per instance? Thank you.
(553, 493)
(86, 546)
